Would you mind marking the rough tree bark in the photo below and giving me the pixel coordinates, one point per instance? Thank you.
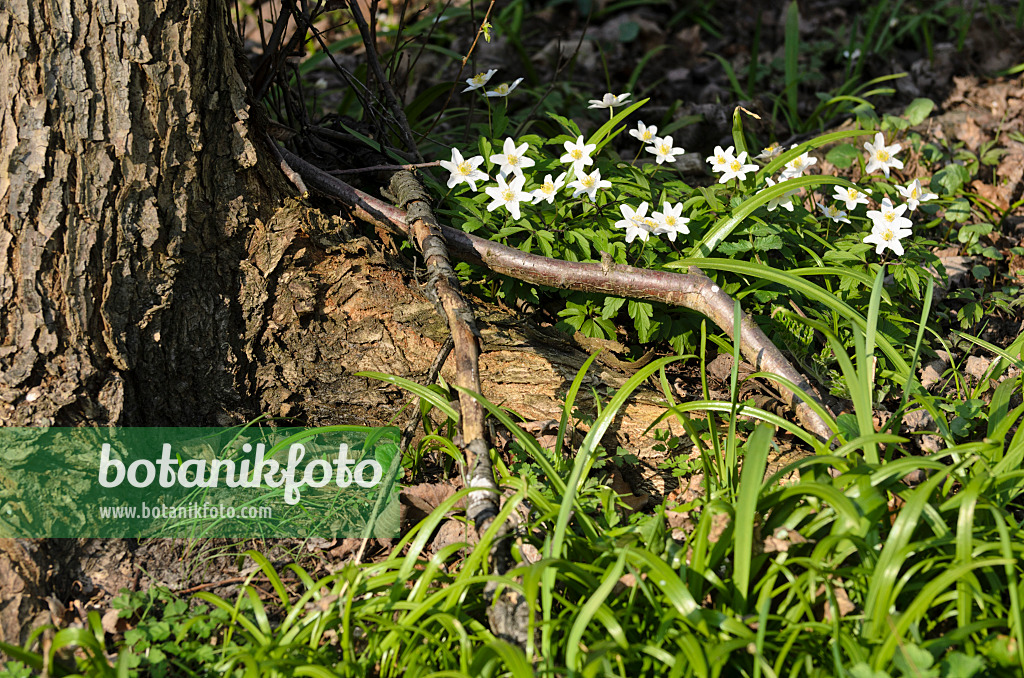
(129, 184)
(130, 181)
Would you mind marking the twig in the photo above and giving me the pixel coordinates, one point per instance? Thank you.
(385, 168)
(692, 290)
(292, 175)
(385, 84)
(435, 368)
(462, 67)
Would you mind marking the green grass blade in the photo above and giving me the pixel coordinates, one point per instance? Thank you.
(755, 460)
(585, 455)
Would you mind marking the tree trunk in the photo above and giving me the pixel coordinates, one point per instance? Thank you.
(130, 178)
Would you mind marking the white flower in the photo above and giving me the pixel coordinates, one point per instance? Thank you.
(503, 89)
(636, 222)
(767, 153)
(578, 154)
(785, 201)
(884, 235)
(833, 213)
(881, 156)
(479, 80)
(720, 160)
(609, 100)
(798, 165)
(464, 170)
(514, 159)
(589, 184)
(851, 196)
(549, 189)
(914, 194)
(508, 195)
(890, 217)
(645, 134)
(736, 169)
(670, 222)
(664, 150)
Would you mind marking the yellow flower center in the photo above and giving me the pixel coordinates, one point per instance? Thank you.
(508, 195)
(853, 194)
(882, 155)
(665, 149)
(914, 193)
(479, 78)
(670, 220)
(647, 135)
(720, 158)
(501, 89)
(576, 154)
(512, 160)
(549, 187)
(465, 167)
(889, 216)
(887, 234)
(735, 166)
(587, 181)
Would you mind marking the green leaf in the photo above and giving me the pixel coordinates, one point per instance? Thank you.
(959, 211)
(849, 429)
(843, 156)
(568, 124)
(628, 31)
(862, 670)
(611, 307)
(950, 179)
(603, 135)
(641, 312)
(915, 661)
(959, 665)
(771, 242)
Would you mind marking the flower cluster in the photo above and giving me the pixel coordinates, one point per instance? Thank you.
(889, 226)
(731, 166)
(668, 222)
(663, 148)
(481, 79)
(510, 190)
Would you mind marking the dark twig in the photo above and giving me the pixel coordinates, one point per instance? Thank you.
(435, 368)
(462, 67)
(385, 168)
(389, 93)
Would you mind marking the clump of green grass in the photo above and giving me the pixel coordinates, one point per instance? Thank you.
(844, 569)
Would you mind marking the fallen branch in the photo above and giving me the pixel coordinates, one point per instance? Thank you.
(692, 290)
